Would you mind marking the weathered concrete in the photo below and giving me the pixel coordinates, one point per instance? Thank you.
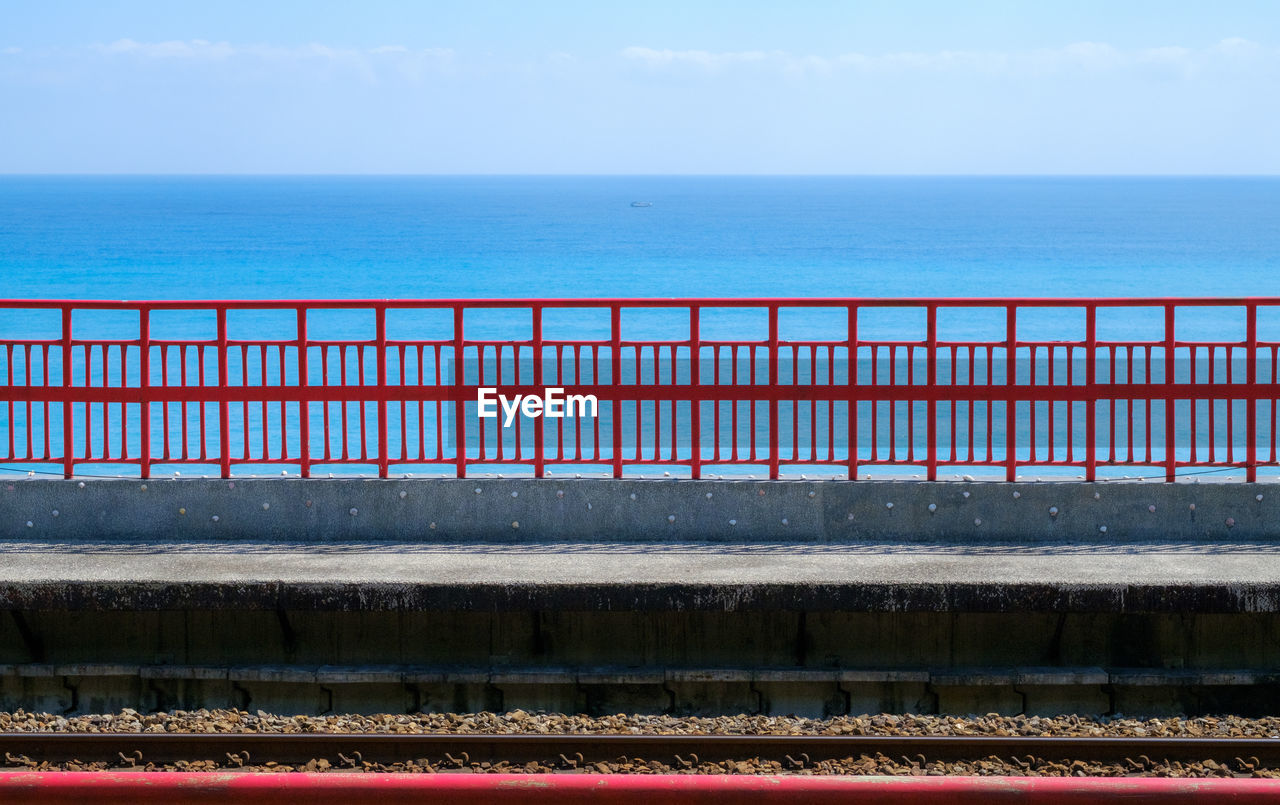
(613, 576)
(511, 510)
(649, 595)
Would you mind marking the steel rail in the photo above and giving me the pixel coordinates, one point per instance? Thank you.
(143, 788)
(570, 750)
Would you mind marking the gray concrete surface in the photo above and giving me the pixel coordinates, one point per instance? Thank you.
(886, 577)
(519, 511)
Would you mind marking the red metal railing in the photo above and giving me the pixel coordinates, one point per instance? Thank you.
(76, 392)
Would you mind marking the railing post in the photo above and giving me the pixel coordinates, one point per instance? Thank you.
(68, 448)
(1011, 377)
(1091, 400)
(144, 383)
(304, 404)
(1170, 370)
(539, 455)
(224, 409)
(380, 336)
(460, 403)
(1251, 403)
(931, 428)
(695, 404)
(775, 438)
(852, 436)
(615, 354)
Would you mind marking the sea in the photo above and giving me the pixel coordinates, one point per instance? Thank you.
(479, 237)
(184, 237)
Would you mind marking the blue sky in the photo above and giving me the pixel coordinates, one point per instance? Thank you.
(749, 87)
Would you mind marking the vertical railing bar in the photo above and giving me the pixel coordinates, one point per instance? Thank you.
(953, 447)
(1170, 373)
(931, 424)
(68, 449)
(558, 352)
(1229, 447)
(813, 405)
(1011, 378)
(244, 383)
(851, 414)
(539, 432)
(106, 406)
(482, 451)
(1251, 402)
(201, 408)
(10, 422)
(597, 452)
(326, 404)
(1071, 406)
(874, 404)
(144, 365)
(438, 406)
(164, 408)
(88, 404)
(363, 387)
(1112, 403)
(751, 406)
(224, 411)
(1272, 458)
(1090, 382)
(1129, 404)
(124, 405)
(403, 405)
(971, 403)
(615, 356)
(263, 351)
(281, 351)
(380, 336)
(48, 446)
(1032, 359)
(775, 438)
(1193, 405)
(304, 404)
(695, 401)
(795, 352)
(893, 404)
(460, 405)
(344, 430)
(1213, 424)
(1150, 456)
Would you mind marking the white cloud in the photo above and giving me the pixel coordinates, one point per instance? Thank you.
(172, 49)
(11, 51)
(701, 58)
(412, 64)
(1091, 57)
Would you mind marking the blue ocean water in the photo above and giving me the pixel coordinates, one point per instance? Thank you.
(464, 237)
(580, 237)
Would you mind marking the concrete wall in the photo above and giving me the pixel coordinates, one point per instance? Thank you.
(678, 662)
(510, 510)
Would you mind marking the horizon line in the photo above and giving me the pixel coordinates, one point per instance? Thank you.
(531, 175)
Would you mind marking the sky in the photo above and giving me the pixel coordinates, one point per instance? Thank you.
(642, 87)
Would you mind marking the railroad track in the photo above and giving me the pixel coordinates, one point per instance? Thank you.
(621, 753)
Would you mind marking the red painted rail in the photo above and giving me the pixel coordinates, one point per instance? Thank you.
(74, 788)
(837, 383)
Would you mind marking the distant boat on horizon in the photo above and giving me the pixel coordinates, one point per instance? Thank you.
(642, 204)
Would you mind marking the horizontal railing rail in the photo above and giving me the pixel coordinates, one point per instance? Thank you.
(1005, 384)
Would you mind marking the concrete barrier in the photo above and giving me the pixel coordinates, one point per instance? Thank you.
(516, 510)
